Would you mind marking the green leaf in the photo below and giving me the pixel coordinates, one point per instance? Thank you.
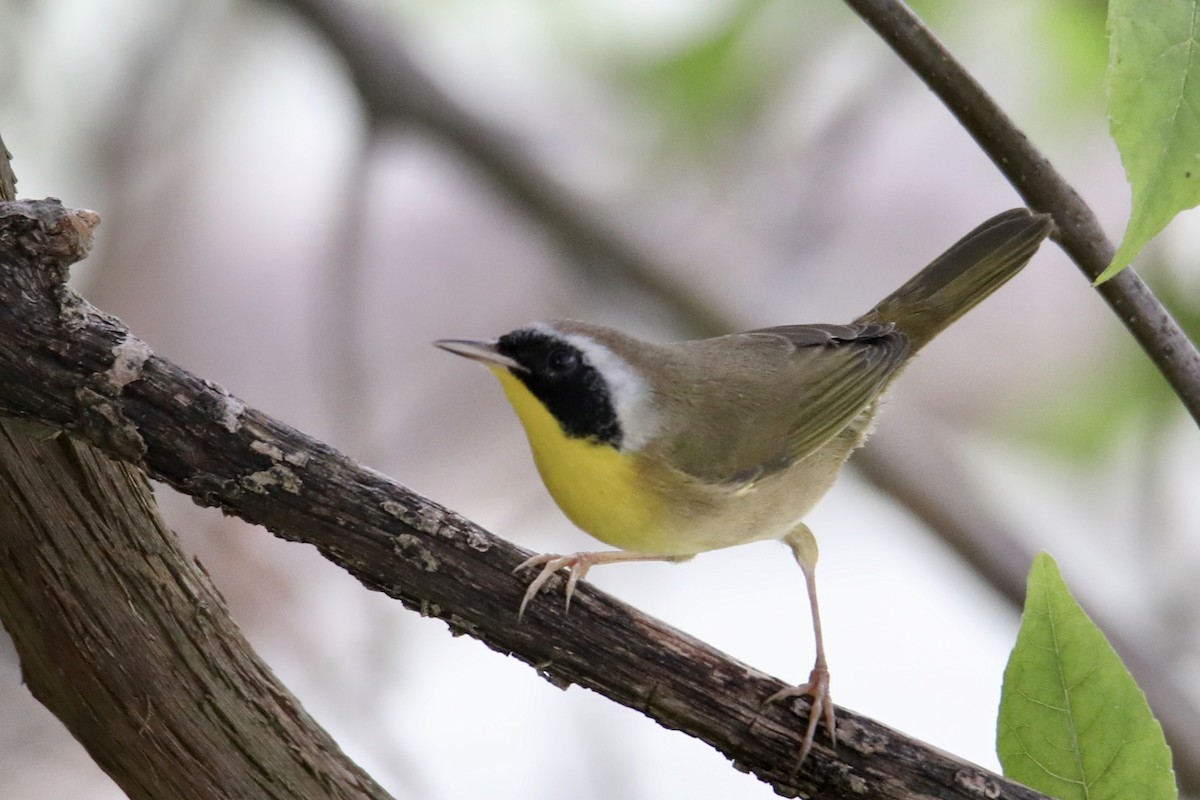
(1154, 112)
(1073, 723)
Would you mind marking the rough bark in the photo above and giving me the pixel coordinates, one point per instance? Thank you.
(70, 366)
(119, 633)
(126, 641)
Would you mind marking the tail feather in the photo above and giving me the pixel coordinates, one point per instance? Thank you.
(965, 274)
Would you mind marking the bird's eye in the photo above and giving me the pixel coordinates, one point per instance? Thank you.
(561, 361)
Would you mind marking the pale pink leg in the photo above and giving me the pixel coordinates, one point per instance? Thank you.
(804, 547)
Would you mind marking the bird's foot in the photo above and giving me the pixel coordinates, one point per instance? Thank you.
(820, 706)
(576, 564)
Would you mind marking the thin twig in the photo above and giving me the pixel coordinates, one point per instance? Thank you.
(1043, 189)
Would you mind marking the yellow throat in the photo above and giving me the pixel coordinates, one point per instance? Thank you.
(599, 488)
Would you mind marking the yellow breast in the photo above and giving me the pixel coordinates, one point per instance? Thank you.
(600, 489)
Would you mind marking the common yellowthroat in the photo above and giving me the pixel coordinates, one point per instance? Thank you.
(669, 450)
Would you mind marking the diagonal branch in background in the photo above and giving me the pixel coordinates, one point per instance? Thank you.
(395, 91)
(70, 366)
(1034, 177)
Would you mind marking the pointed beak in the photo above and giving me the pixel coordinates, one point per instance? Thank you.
(478, 350)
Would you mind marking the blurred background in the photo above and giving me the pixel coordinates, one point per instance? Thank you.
(296, 219)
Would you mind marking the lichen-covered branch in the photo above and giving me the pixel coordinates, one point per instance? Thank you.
(68, 365)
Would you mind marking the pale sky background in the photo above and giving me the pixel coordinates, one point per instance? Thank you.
(221, 145)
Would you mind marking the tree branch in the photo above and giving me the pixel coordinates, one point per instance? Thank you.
(124, 639)
(395, 91)
(70, 366)
(1043, 189)
(120, 635)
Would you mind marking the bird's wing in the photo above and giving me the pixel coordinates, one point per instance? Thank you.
(786, 393)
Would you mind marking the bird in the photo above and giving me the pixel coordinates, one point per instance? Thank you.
(666, 451)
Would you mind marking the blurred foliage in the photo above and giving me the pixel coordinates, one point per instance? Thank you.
(1070, 35)
(713, 83)
(1122, 390)
(1066, 38)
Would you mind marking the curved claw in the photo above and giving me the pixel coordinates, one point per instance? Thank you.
(820, 707)
(577, 565)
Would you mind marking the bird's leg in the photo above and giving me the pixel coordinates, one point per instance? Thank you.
(804, 548)
(578, 564)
